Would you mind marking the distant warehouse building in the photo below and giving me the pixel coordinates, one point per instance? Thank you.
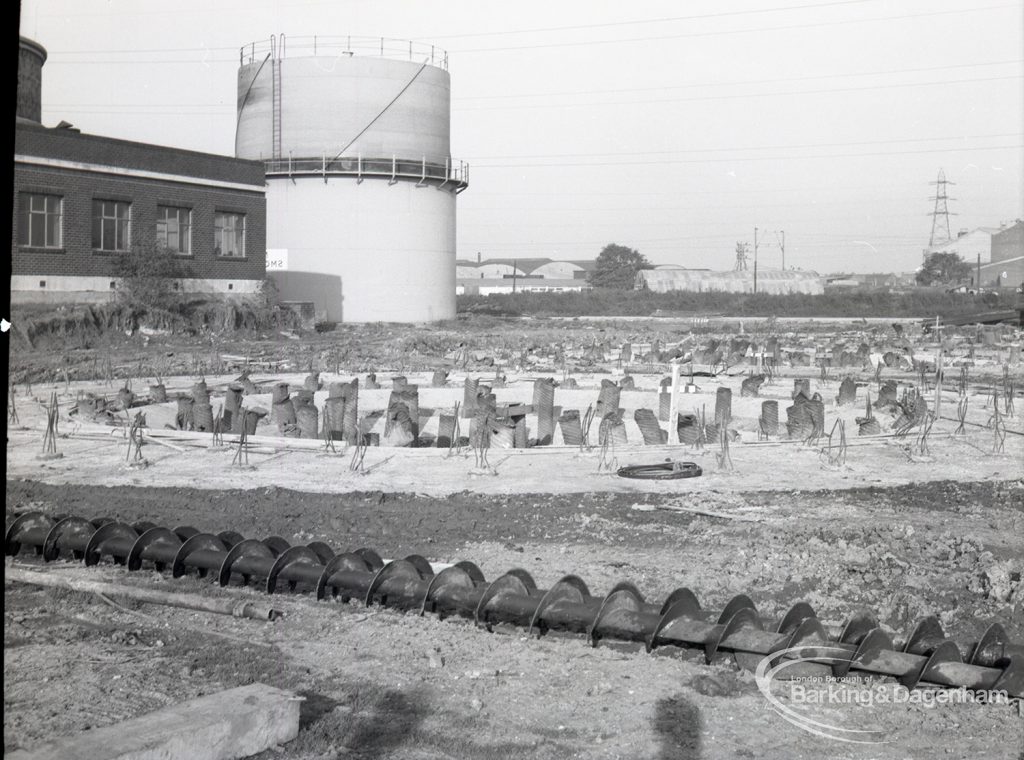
(82, 202)
(541, 275)
(970, 245)
(1006, 267)
(875, 281)
(508, 284)
(772, 281)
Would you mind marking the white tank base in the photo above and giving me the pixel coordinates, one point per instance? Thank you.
(364, 251)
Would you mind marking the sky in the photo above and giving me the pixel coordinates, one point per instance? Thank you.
(672, 128)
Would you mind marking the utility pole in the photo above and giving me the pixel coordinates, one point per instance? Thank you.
(781, 235)
(755, 261)
(515, 266)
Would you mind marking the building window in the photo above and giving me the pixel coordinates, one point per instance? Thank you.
(39, 223)
(229, 235)
(111, 225)
(174, 229)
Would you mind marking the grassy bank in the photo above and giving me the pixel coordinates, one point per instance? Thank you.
(85, 325)
(919, 303)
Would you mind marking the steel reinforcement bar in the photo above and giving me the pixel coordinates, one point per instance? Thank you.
(993, 663)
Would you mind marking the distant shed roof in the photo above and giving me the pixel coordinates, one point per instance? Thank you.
(528, 265)
(768, 281)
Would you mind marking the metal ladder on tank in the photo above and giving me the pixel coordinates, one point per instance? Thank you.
(277, 56)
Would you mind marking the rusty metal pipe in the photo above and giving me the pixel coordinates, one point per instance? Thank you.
(308, 574)
(205, 559)
(254, 567)
(149, 596)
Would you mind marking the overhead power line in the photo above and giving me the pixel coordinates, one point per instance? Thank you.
(800, 239)
(179, 107)
(695, 98)
(154, 108)
(572, 27)
(734, 148)
(639, 192)
(776, 80)
(55, 56)
(135, 51)
(662, 20)
(757, 30)
(741, 159)
(675, 223)
(51, 61)
(737, 96)
(224, 106)
(861, 208)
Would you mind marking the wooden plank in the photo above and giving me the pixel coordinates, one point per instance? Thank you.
(223, 726)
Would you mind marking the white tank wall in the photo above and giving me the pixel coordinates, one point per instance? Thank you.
(382, 252)
(327, 100)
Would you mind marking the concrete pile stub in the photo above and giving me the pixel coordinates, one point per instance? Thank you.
(228, 725)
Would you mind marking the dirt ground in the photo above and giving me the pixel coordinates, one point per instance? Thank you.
(381, 683)
(890, 535)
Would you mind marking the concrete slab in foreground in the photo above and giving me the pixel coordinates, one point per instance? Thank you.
(229, 724)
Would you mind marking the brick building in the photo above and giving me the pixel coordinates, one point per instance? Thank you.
(83, 202)
(1006, 267)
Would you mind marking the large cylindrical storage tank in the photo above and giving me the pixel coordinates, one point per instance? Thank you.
(361, 185)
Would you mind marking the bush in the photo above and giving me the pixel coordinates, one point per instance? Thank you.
(150, 281)
(608, 302)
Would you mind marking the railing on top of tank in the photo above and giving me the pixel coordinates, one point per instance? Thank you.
(383, 47)
(451, 172)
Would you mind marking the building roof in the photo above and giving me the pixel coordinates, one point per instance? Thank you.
(1010, 228)
(1004, 262)
(528, 265)
(976, 232)
(70, 145)
(521, 283)
(860, 276)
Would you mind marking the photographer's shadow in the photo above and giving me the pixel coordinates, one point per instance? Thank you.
(678, 723)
